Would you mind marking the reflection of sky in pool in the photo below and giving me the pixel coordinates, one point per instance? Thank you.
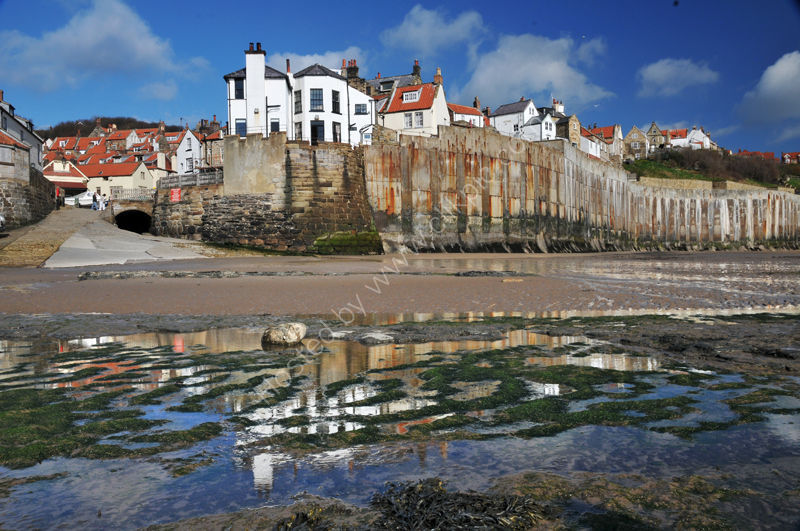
(247, 472)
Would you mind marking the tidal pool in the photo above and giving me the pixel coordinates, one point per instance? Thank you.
(149, 428)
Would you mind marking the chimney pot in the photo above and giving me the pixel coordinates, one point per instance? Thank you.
(379, 75)
(251, 46)
(288, 68)
(258, 46)
(1, 95)
(215, 117)
(416, 62)
(437, 79)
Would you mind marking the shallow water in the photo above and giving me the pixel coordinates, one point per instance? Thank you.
(245, 469)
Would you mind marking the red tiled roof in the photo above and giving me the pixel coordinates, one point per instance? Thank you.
(119, 135)
(69, 143)
(486, 121)
(604, 132)
(425, 101)
(110, 169)
(71, 172)
(463, 109)
(8, 140)
(678, 133)
(766, 155)
(216, 135)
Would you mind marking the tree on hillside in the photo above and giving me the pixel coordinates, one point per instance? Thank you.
(84, 126)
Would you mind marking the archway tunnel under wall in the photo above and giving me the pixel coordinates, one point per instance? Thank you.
(134, 221)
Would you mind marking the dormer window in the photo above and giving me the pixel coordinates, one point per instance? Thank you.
(411, 96)
(62, 143)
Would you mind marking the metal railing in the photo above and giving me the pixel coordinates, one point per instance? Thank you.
(133, 194)
(202, 178)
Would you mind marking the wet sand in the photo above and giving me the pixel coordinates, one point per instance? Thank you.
(597, 283)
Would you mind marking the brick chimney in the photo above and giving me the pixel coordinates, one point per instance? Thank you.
(476, 103)
(437, 78)
(161, 127)
(352, 69)
(417, 70)
(1, 95)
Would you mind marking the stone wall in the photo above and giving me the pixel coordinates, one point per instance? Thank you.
(184, 218)
(474, 189)
(278, 195)
(23, 202)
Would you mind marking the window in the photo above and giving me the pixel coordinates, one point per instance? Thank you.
(274, 126)
(386, 86)
(408, 120)
(361, 108)
(337, 132)
(298, 131)
(189, 165)
(418, 119)
(635, 145)
(516, 128)
(411, 96)
(141, 173)
(298, 102)
(5, 123)
(238, 89)
(316, 100)
(241, 127)
(335, 102)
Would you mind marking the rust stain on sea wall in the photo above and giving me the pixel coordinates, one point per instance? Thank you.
(489, 189)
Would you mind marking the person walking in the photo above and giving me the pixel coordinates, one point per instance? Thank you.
(103, 203)
(94, 200)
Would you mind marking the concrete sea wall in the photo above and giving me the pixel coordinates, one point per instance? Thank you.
(473, 189)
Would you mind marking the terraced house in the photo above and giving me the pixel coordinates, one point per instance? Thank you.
(317, 104)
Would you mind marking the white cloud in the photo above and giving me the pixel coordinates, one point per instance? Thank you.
(669, 77)
(531, 65)
(777, 95)
(105, 38)
(159, 91)
(426, 31)
(672, 125)
(590, 50)
(789, 132)
(722, 131)
(332, 59)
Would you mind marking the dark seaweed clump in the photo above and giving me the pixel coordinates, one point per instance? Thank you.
(427, 504)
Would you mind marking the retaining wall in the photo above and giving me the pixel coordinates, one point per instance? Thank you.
(474, 189)
(278, 195)
(26, 201)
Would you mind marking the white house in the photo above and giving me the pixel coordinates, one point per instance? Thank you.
(21, 129)
(417, 109)
(698, 139)
(462, 113)
(66, 175)
(316, 104)
(508, 119)
(327, 109)
(189, 153)
(112, 178)
(541, 127)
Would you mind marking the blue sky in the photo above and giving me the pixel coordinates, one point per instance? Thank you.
(730, 66)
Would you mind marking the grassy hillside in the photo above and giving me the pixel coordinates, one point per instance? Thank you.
(714, 166)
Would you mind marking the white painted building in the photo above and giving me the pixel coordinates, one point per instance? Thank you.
(416, 109)
(509, 119)
(189, 153)
(462, 113)
(315, 105)
(541, 127)
(21, 129)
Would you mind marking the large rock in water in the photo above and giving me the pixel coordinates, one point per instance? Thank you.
(284, 334)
